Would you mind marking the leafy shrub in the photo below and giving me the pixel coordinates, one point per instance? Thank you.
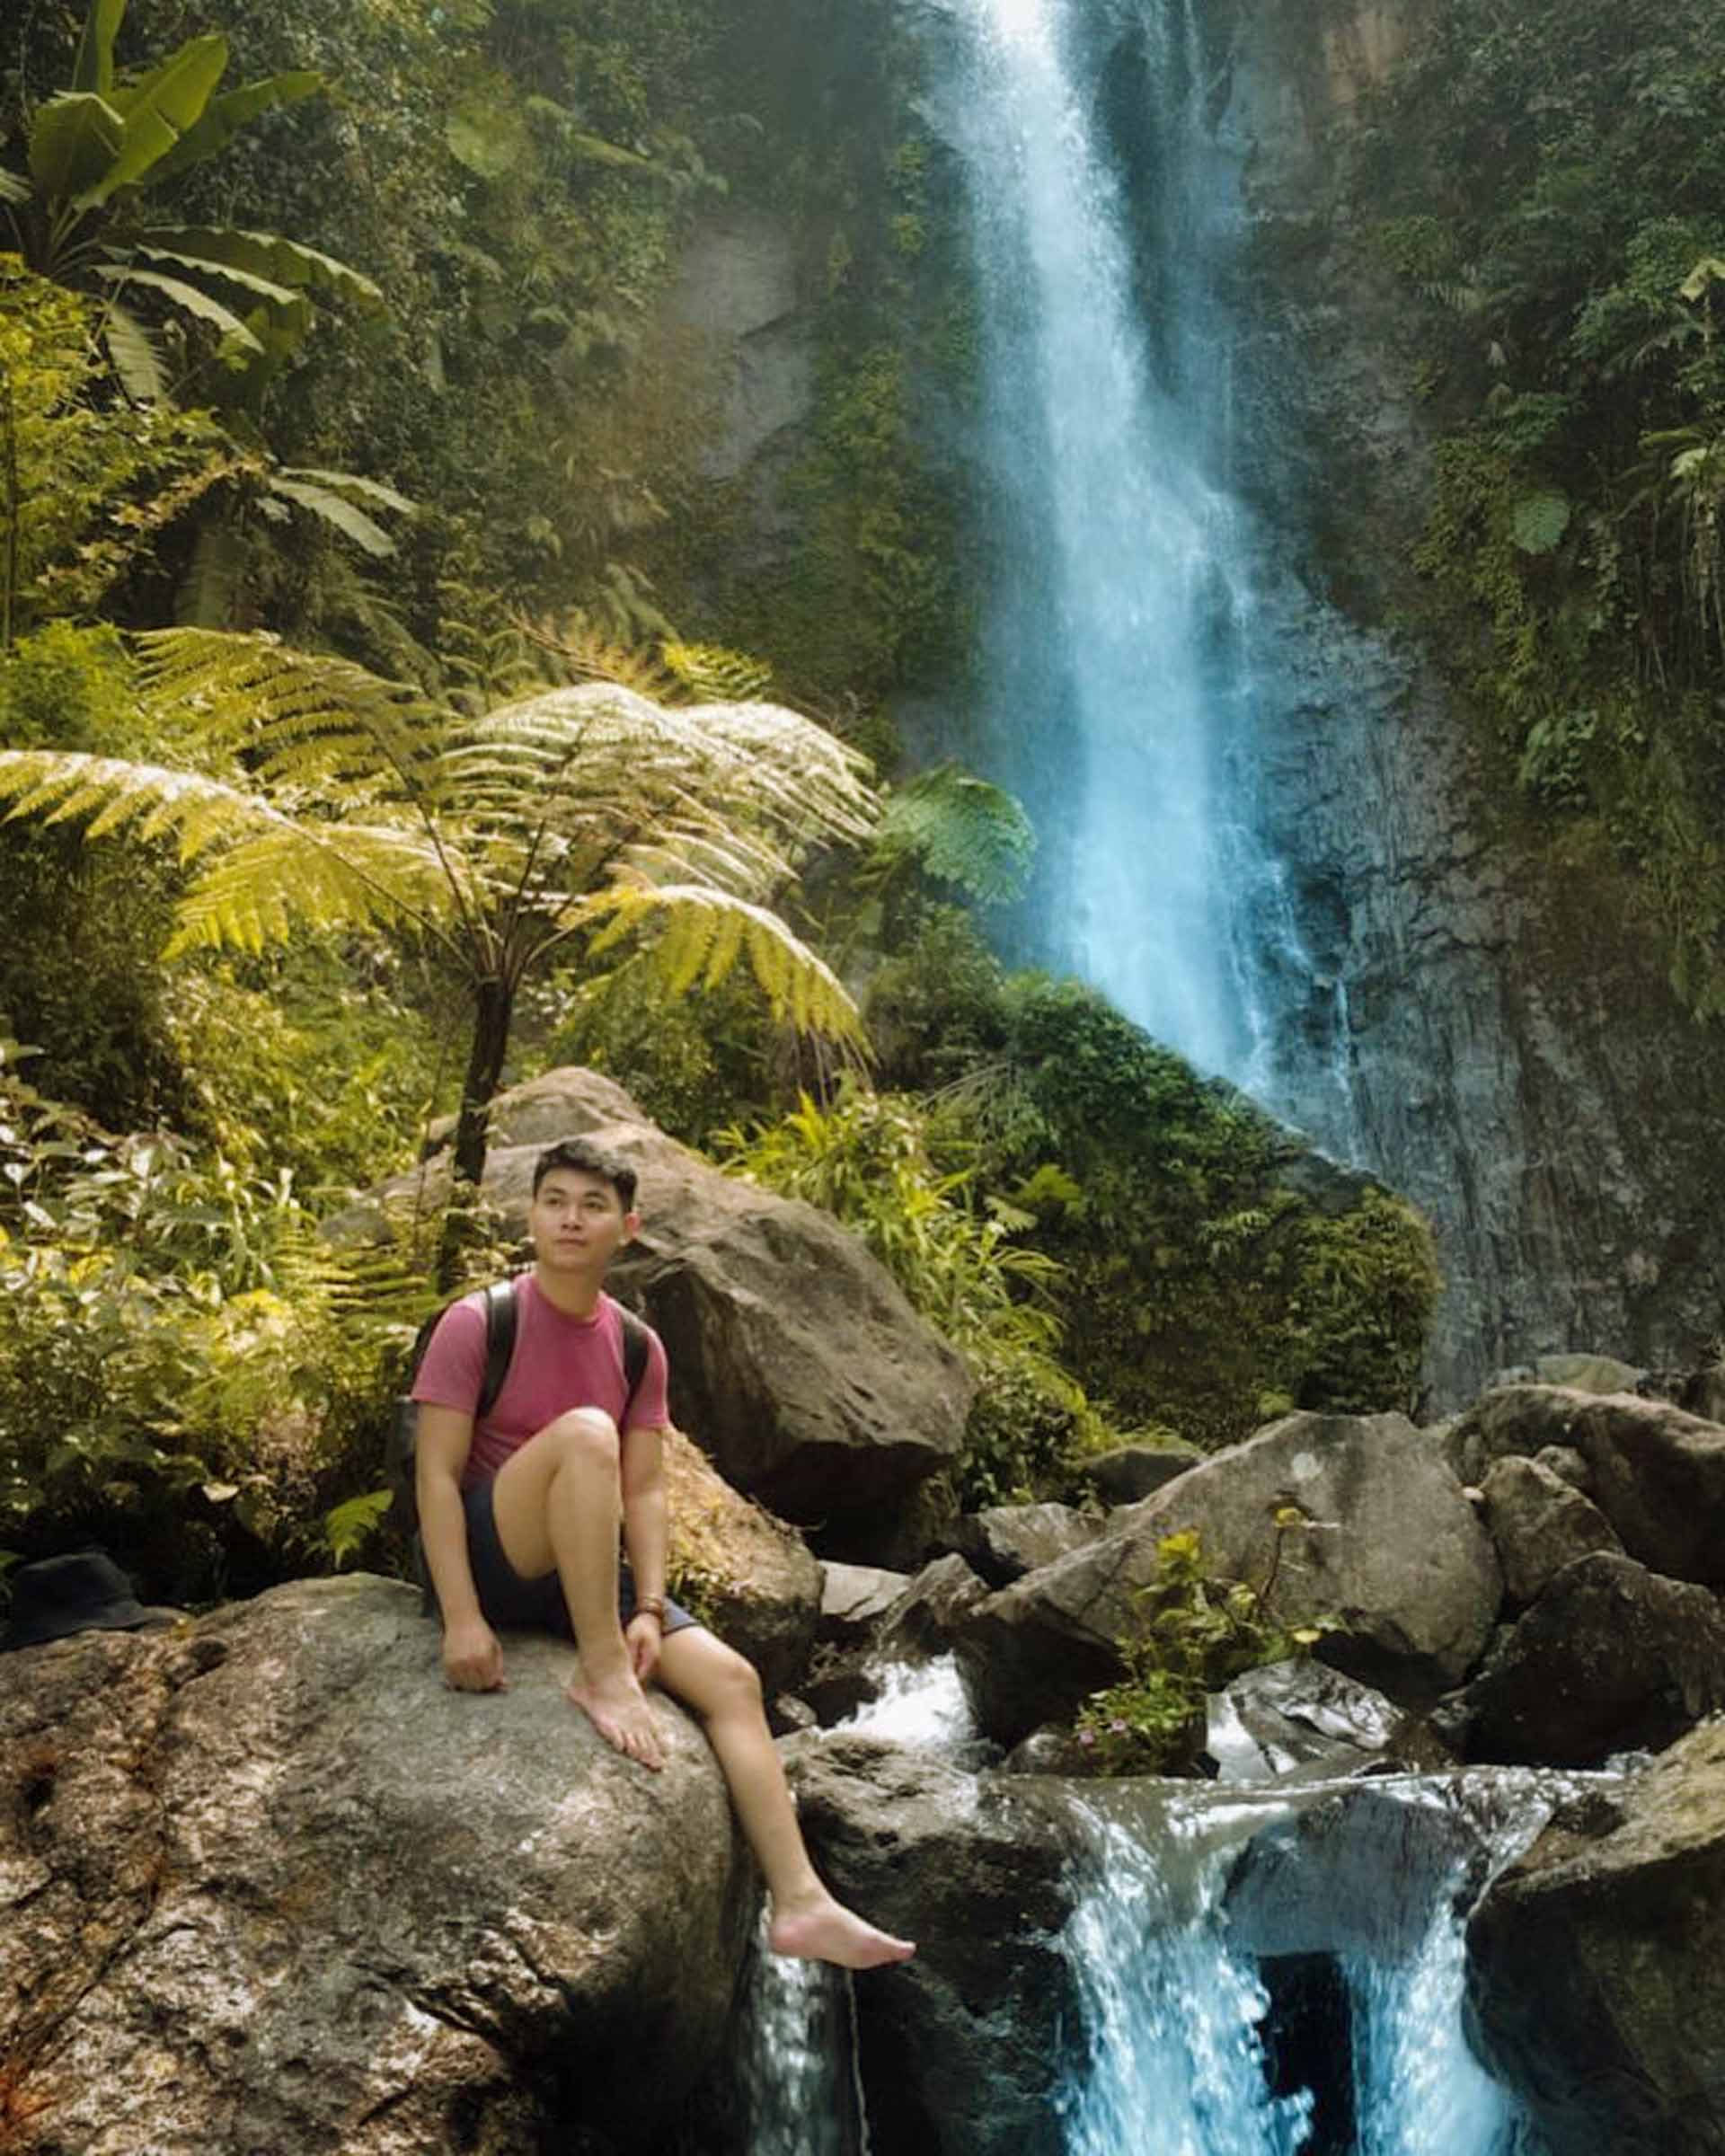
(1199, 1282)
(865, 1159)
(1194, 1634)
(181, 1362)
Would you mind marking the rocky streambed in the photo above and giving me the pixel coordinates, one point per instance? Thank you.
(265, 1885)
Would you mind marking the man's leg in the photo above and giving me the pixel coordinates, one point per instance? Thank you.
(726, 1694)
(557, 1503)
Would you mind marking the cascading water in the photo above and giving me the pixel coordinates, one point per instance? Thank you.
(1121, 690)
(1180, 2036)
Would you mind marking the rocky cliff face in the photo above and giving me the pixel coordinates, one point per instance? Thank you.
(1512, 1059)
(1518, 1066)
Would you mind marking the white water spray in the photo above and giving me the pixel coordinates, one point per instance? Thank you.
(1120, 691)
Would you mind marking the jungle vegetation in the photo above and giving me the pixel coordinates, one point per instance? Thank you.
(1550, 182)
(386, 717)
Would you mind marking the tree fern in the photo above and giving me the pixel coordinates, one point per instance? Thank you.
(584, 814)
(961, 829)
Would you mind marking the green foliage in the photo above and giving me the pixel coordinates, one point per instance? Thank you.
(95, 150)
(960, 1259)
(349, 804)
(1555, 185)
(1198, 1279)
(88, 485)
(958, 830)
(79, 971)
(693, 1065)
(865, 1158)
(183, 1363)
(1194, 1634)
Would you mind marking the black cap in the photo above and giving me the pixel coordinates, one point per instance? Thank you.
(83, 1591)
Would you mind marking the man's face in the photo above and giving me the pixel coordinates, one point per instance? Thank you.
(576, 1222)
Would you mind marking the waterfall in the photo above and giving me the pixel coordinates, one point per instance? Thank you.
(1118, 696)
(800, 2095)
(1134, 656)
(1196, 2046)
(1176, 2058)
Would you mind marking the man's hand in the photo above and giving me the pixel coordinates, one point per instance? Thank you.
(644, 1636)
(472, 1657)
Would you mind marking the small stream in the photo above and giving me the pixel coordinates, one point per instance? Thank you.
(1304, 2002)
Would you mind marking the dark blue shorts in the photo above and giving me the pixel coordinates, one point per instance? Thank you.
(534, 1605)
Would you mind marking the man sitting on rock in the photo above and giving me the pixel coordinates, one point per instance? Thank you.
(520, 1516)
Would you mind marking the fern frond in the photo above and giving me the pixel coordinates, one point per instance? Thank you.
(961, 829)
(340, 876)
(798, 984)
(584, 653)
(59, 786)
(251, 691)
(712, 675)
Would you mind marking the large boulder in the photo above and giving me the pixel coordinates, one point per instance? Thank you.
(748, 1575)
(965, 2048)
(796, 1361)
(1657, 1472)
(1392, 1547)
(1611, 1657)
(1362, 1872)
(1539, 1523)
(1006, 1541)
(1595, 1987)
(853, 1599)
(268, 1884)
(1129, 1473)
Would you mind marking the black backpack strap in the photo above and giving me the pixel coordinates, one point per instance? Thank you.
(634, 1357)
(502, 1323)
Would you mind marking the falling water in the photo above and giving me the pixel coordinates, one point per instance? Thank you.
(800, 2088)
(1119, 679)
(921, 1704)
(1418, 2091)
(1176, 2059)
(1181, 2044)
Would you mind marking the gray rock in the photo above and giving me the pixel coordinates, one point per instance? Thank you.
(1007, 1541)
(1395, 1550)
(1132, 1471)
(1539, 1523)
(737, 292)
(1050, 1750)
(558, 1104)
(1355, 1874)
(1610, 1658)
(932, 1608)
(1657, 1473)
(1358, 1872)
(1702, 1393)
(853, 1598)
(1587, 1372)
(1595, 1988)
(796, 1361)
(1568, 1465)
(1300, 1718)
(965, 2047)
(272, 1885)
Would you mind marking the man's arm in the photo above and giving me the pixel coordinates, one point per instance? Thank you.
(646, 1521)
(473, 1659)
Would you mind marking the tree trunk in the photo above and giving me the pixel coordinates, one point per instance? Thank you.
(493, 1014)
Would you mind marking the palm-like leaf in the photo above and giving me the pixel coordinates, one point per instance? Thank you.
(553, 813)
(583, 812)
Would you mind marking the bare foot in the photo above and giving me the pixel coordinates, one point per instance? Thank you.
(826, 1930)
(617, 1708)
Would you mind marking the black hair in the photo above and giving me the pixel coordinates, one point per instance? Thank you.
(588, 1158)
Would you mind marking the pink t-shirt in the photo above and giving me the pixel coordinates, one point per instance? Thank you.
(559, 1362)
